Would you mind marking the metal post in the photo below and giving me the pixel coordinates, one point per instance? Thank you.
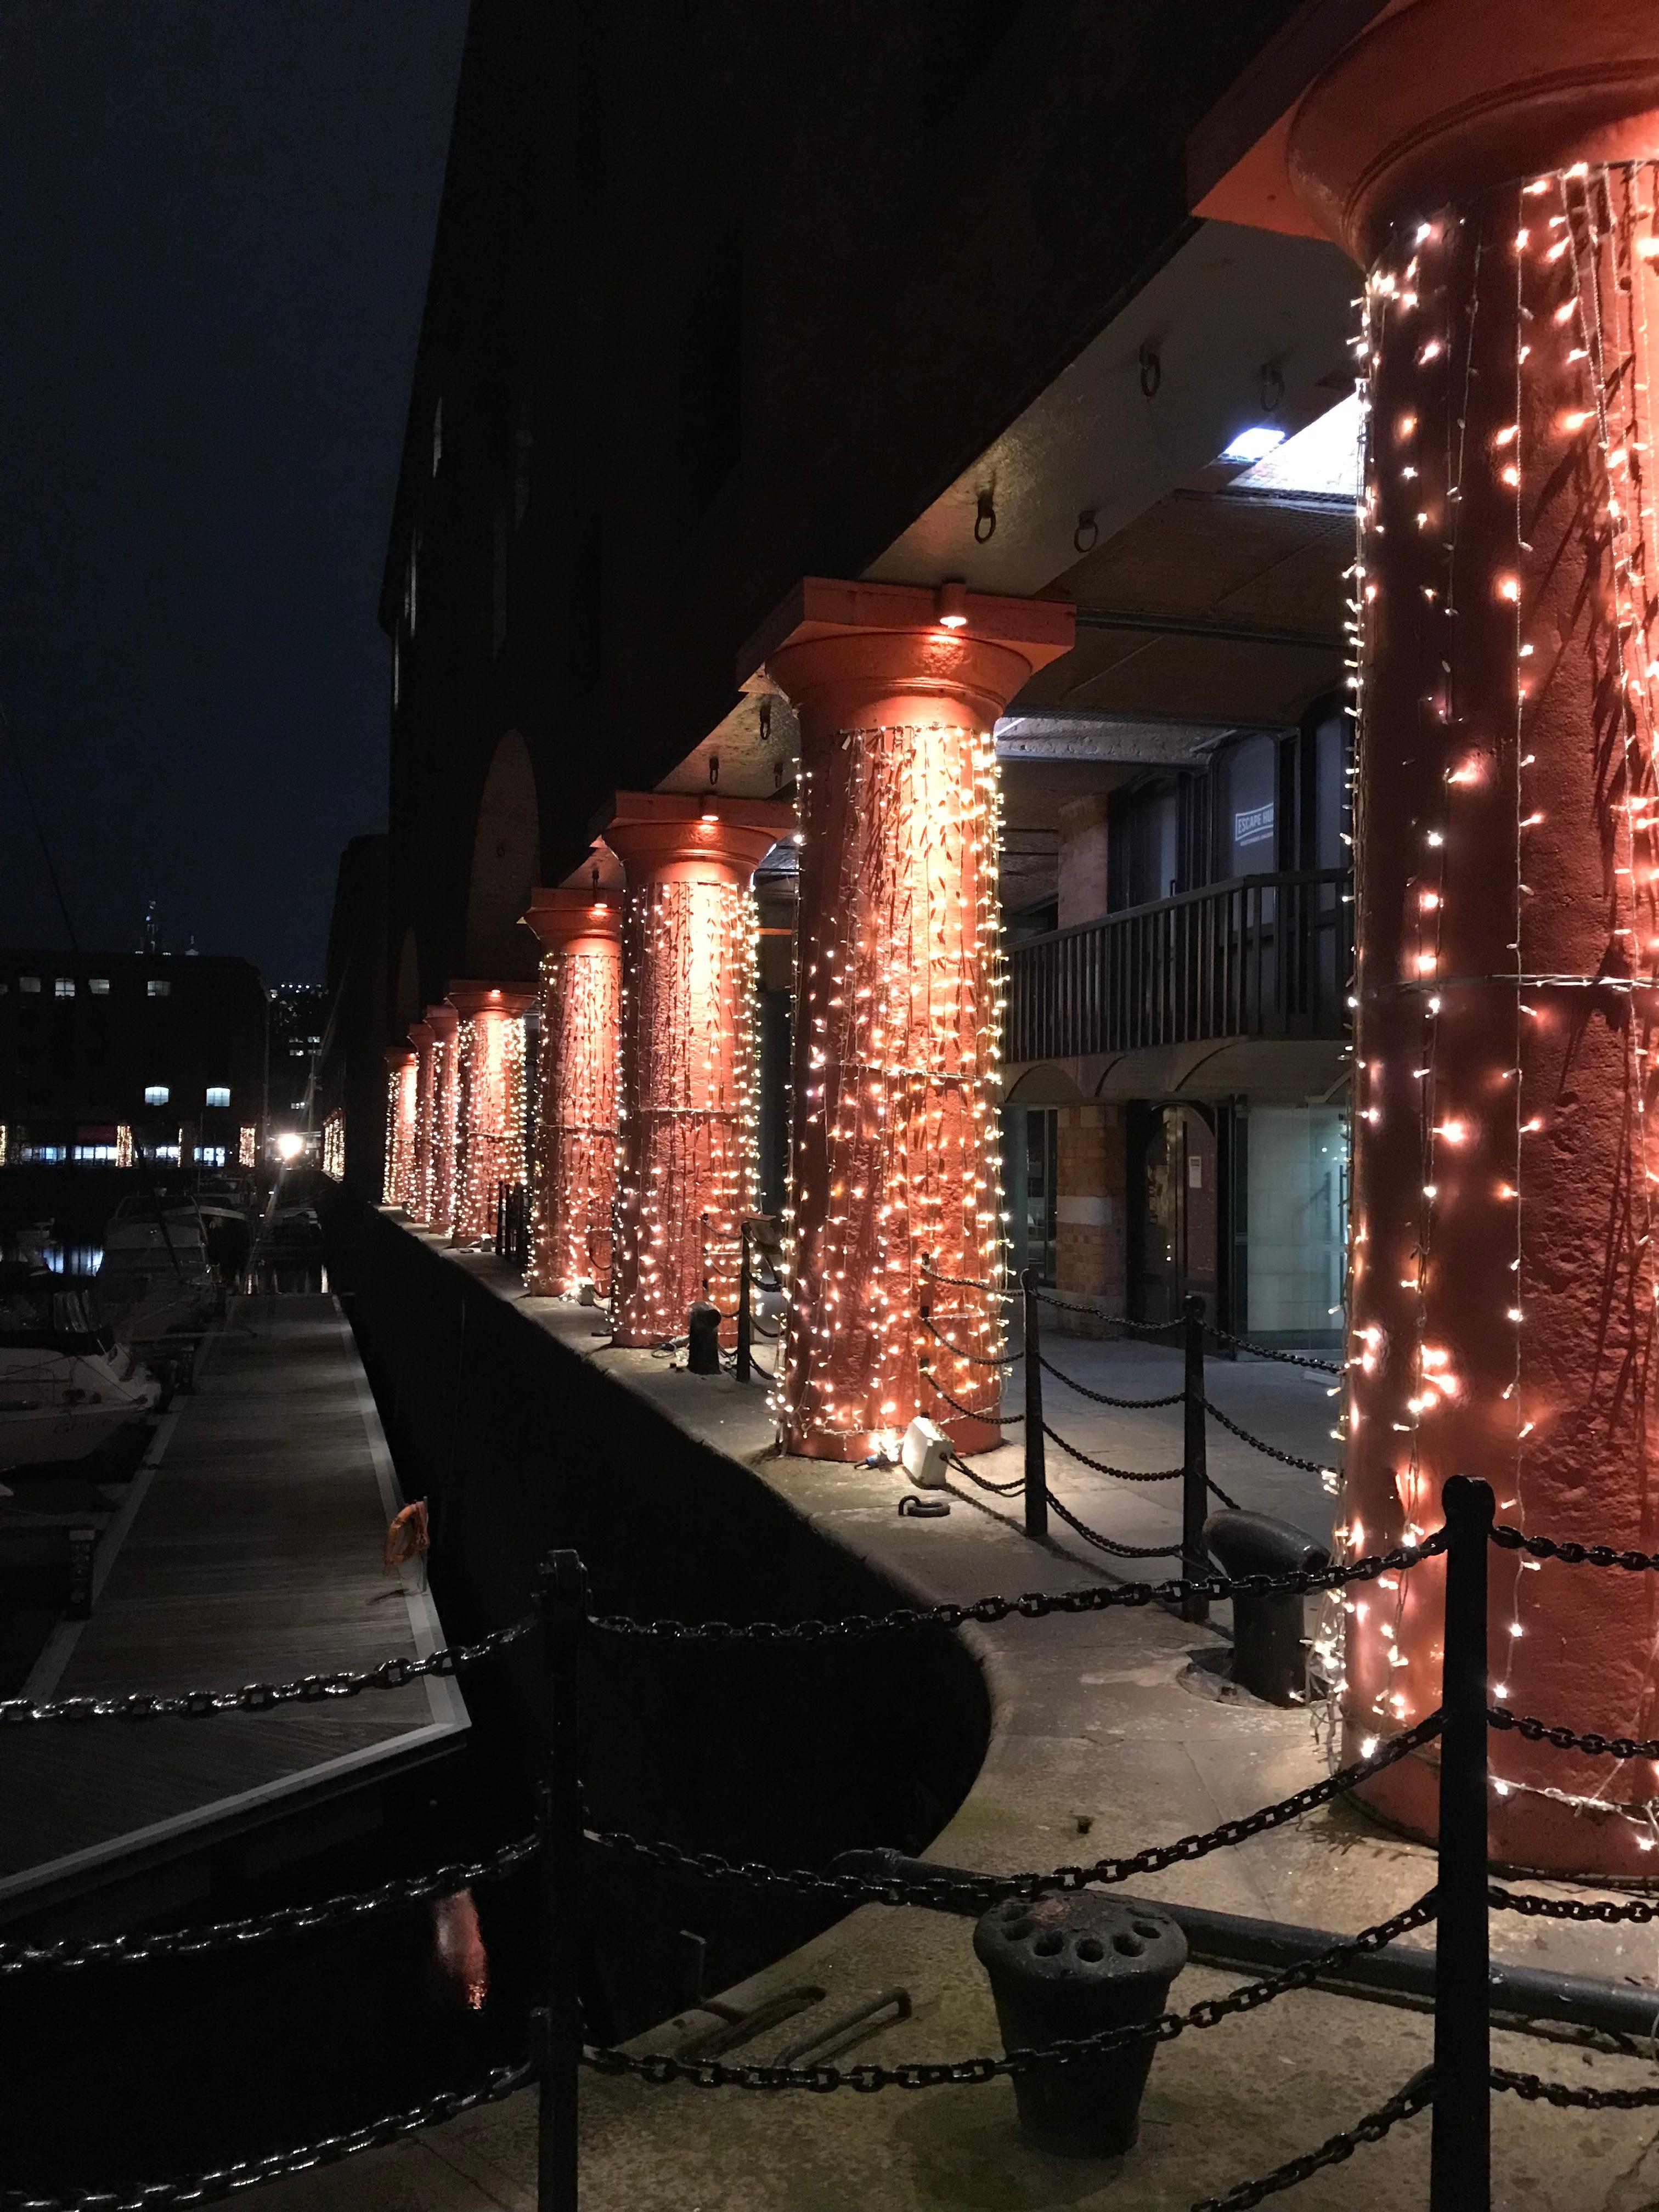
(1037, 1470)
(1460, 2172)
(746, 1292)
(561, 1606)
(1194, 1462)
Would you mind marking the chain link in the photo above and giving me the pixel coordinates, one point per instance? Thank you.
(1101, 1467)
(661, 2068)
(1032, 1605)
(1635, 1909)
(1417, 2093)
(1101, 1398)
(342, 1911)
(1271, 1352)
(1536, 2090)
(974, 1358)
(259, 1696)
(963, 1283)
(1566, 1739)
(1270, 1451)
(956, 1893)
(249, 2172)
(1573, 1554)
(973, 1413)
(1109, 1544)
(981, 1482)
(1112, 1320)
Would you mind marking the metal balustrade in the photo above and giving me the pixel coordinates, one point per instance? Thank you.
(1262, 956)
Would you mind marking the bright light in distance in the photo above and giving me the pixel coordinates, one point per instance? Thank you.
(289, 1145)
(1254, 444)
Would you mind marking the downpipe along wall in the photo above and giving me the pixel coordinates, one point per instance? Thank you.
(780, 1753)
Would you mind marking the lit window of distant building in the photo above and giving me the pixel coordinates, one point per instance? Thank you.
(166, 1154)
(29, 982)
(158, 986)
(102, 1154)
(99, 986)
(155, 1094)
(218, 1094)
(210, 1156)
(49, 1154)
(63, 986)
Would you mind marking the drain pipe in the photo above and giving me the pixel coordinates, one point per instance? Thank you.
(1524, 1997)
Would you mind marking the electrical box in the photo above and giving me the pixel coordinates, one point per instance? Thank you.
(922, 1454)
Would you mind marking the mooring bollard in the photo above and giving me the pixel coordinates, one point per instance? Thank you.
(746, 1292)
(562, 1609)
(1194, 1464)
(1036, 1465)
(1460, 2163)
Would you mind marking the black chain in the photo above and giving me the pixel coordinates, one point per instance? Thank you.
(1417, 2093)
(957, 1892)
(1573, 1554)
(1636, 1909)
(1536, 2090)
(1271, 1451)
(981, 1482)
(259, 1696)
(662, 2067)
(1123, 1473)
(290, 1920)
(973, 1413)
(1032, 1605)
(975, 1358)
(1101, 1398)
(1566, 1739)
(249, 2172)
(1109, 1544)
(964, 1283)
(1269, 1351)
(1112, 1320)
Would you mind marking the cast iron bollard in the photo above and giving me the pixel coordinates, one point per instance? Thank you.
(746, 1292)
(562, 1609)
(1037, 1468)
(703, 1332)
(1459, 2166)
(1071, 1964)
(1269, 1644)
(1194, 1464)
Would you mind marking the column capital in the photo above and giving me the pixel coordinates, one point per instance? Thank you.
(442, 1020)
(420, 1035)
(856, 655)
(694, 837)
(471, 998)
(561, 916)
(400, 1056)
(1444, 99)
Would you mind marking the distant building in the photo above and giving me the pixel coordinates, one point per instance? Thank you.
(298, 1012)
(105, 1054)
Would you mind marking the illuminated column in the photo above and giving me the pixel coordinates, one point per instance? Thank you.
(444, 1023)
(896, 1082)
(687, 1166)
(489, 1101)
(1476, 161)
(420, 1200)
(399, 1125)
(575, 1167)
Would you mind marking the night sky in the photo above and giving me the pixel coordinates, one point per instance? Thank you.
(216, 218)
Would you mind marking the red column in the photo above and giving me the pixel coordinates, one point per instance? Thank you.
(576, 1165)
(1479, 162)
(444, 1023)
(895, 1085)
(489, 1101)
(686, 1172)
(419, 1204)
(399, 1125)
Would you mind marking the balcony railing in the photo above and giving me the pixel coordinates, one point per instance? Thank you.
(1262, 956)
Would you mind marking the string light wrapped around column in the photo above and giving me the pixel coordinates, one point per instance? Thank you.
(895, 1153)
(334, 1145)
(688, 1147)
(489, 1103)
(420, 1182)
(1503, 1284)
(444, 1023)
(397, 1182)
(574, 1188)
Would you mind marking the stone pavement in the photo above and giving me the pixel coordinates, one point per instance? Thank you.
(1106, 1737)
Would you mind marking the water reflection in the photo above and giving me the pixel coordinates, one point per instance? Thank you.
(458, 1947)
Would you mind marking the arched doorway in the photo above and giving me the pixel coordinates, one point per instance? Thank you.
(506, 866)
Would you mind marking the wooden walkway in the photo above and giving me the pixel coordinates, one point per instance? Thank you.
(249, 1549)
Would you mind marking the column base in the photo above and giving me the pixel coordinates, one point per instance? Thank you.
(853, 1446)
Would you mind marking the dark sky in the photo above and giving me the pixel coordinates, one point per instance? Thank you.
(215, 217)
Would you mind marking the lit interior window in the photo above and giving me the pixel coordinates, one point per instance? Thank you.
(1323, 459)
(218, 1094)
(158, 986)
(29, 982)
(63, 986)
(155, 1094)
(99, 986)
